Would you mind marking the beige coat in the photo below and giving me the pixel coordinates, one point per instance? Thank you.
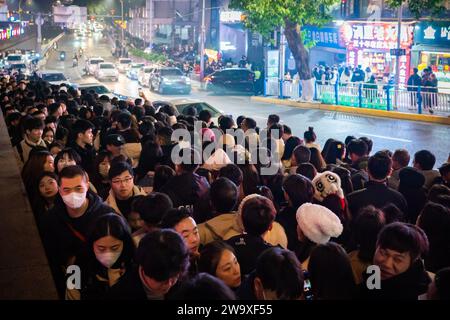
(133, 151)
(27, 145)
(226, 225)
(111, 200)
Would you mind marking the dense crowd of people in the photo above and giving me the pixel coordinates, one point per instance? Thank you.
(108, 196)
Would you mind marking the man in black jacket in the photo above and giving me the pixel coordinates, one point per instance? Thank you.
(68, 223)
(414, 81)
(187, 188)
(83, 143)
(257, 215)
(376, 192)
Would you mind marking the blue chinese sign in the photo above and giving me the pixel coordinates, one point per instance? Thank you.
(433, 33)
(324, 37)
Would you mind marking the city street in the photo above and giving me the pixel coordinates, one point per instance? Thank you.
(386, 133)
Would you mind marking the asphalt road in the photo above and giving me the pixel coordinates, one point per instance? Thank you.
(386, 133)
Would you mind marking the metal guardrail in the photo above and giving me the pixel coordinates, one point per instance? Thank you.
(411, 99)
(45, 50)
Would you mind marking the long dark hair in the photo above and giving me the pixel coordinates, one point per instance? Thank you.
(279, 270)
(210, 256)
(113, 225)
(33, 168)
(331, 273)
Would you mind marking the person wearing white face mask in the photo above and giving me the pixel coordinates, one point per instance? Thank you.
(108, 258)
(67, 224)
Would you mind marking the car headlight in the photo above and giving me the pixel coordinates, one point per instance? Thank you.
(187, 80)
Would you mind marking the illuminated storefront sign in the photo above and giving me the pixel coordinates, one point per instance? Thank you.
(369, 45)
(376, 35)
(433, 33)
(11, 32)
(231, 16)
(323, 37)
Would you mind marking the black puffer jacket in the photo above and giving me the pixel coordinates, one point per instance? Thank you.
(408, 285)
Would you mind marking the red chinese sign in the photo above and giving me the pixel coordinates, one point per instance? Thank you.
(377, 37)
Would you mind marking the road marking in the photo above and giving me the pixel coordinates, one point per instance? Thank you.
(384, 137)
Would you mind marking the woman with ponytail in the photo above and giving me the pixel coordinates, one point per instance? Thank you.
(310, 139)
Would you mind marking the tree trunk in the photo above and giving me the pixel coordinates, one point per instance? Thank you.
(301, 55)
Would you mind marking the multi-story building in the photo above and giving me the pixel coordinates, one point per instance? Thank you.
(171, 22)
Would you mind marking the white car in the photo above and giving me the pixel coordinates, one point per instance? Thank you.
(105, 71)
(53, 77)
(92, 64)
(16, 67)
(123, 64)
(14, 59)
(182, 106)
(99, 89)
(132, 72)
(144, 75)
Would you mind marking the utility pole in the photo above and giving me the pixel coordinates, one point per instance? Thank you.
(202, 43)
(397, 60)
(123, 31)
(150, 31)
(282, 55)
(39, 22)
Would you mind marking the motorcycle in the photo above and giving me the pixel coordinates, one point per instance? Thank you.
(74, 62)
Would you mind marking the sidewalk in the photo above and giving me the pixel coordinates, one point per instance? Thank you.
(354, 110)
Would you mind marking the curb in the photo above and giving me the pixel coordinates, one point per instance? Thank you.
(353, 110)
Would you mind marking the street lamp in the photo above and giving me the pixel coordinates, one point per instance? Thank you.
(123, 31)
(202, 43)
(397, 64)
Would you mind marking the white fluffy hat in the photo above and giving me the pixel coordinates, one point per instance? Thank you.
(318, 223)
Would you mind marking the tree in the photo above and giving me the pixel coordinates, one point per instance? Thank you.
(265, 16)
(420, 8)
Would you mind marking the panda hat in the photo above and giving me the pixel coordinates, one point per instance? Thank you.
(327, 183)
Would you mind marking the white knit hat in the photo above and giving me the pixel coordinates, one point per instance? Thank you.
(318, 223)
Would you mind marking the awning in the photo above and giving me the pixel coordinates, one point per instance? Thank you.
(421, 47)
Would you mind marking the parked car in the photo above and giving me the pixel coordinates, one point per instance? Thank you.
(100, 89)
(182, 106)
(166, 79)
(123, 65)
(144, 75)
(231, 80)
(53, 77)
(106, 71)
(92, 64)
(132, 72)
